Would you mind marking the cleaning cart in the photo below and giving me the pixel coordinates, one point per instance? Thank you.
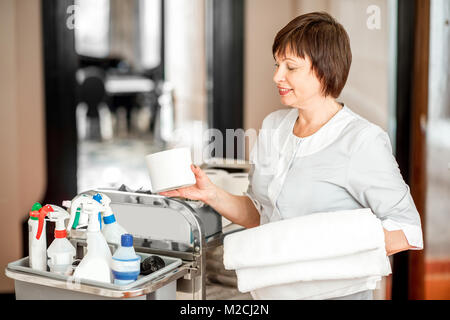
(178, 231)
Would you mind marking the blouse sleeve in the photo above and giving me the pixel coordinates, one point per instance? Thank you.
(249, 193)
(259, 156)
(374, 179)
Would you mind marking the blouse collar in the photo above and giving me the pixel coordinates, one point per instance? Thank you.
(319, 140)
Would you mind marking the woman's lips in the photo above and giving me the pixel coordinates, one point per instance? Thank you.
(283, 91)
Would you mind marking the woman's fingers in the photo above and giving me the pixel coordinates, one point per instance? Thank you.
(171, 193)
(196, 170)
(186, 192)
(195, 192)
(199, 173)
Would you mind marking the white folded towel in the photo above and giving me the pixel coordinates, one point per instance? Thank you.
(358, 265)
(315, 236)
(315, 290)
(344, 245)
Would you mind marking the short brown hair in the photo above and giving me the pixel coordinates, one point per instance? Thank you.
(325, 41)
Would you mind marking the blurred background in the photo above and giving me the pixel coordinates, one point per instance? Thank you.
(88, 88)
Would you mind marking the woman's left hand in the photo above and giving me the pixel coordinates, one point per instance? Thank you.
(395, 241)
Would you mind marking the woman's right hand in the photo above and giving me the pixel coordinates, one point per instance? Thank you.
(203, 190)
(238, 209)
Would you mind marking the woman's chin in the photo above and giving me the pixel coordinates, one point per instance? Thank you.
(287, 101)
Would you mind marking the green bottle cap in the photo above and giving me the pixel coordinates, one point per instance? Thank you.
(36, 206)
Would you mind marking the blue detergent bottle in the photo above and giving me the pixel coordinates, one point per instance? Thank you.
(125, 262)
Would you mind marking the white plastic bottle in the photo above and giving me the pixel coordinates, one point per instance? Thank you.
(125, 262)
(61, 252)
(95, 265)
(112, 230)
(37, 239)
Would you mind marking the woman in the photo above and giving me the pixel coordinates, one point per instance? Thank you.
(318, 155)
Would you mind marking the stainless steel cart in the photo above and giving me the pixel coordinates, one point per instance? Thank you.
(172, 228)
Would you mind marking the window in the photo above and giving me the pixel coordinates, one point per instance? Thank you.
(92, 27)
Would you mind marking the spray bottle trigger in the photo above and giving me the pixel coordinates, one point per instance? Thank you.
(42, 214)
(77, 218)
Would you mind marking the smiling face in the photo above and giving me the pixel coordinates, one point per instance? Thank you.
(297, 83)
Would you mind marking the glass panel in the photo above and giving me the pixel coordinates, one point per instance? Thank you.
(92, 27)
(150, 33)
(438, 134)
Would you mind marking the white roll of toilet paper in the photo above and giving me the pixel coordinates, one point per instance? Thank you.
(170, 169)
(236, 183)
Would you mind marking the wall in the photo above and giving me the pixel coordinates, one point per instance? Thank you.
(22, 165)
(367, 88)
(263, 19)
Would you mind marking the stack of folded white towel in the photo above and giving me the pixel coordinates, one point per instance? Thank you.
(318, 256)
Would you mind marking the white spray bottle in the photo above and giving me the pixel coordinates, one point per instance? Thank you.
(77, 217)
(112, 230)
(96, 263)
(37, 239)
(61, 252)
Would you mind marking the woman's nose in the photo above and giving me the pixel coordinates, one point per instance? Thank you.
(278, 75)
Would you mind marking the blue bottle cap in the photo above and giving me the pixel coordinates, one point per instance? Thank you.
(97, 198)
(126, 240)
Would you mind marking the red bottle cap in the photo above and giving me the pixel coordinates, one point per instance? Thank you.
(60, 234)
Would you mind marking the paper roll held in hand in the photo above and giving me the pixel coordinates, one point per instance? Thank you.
(170, 169)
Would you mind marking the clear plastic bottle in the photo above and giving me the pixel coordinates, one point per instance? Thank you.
(125, 262)
(95, 265)
(60, 252)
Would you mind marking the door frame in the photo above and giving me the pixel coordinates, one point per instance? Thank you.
(412, 108)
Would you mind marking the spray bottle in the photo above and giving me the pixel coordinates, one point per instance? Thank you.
(61, 252)
(112, 231)
(96, 263)
(37, 239)
(78, 218)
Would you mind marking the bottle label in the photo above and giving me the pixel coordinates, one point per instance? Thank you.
(125, 275)
(128, 260)
(109, 219)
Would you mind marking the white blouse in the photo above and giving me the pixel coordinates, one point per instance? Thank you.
(346, 164)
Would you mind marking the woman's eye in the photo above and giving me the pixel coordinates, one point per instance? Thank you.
(276, 65)
(290, 68)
